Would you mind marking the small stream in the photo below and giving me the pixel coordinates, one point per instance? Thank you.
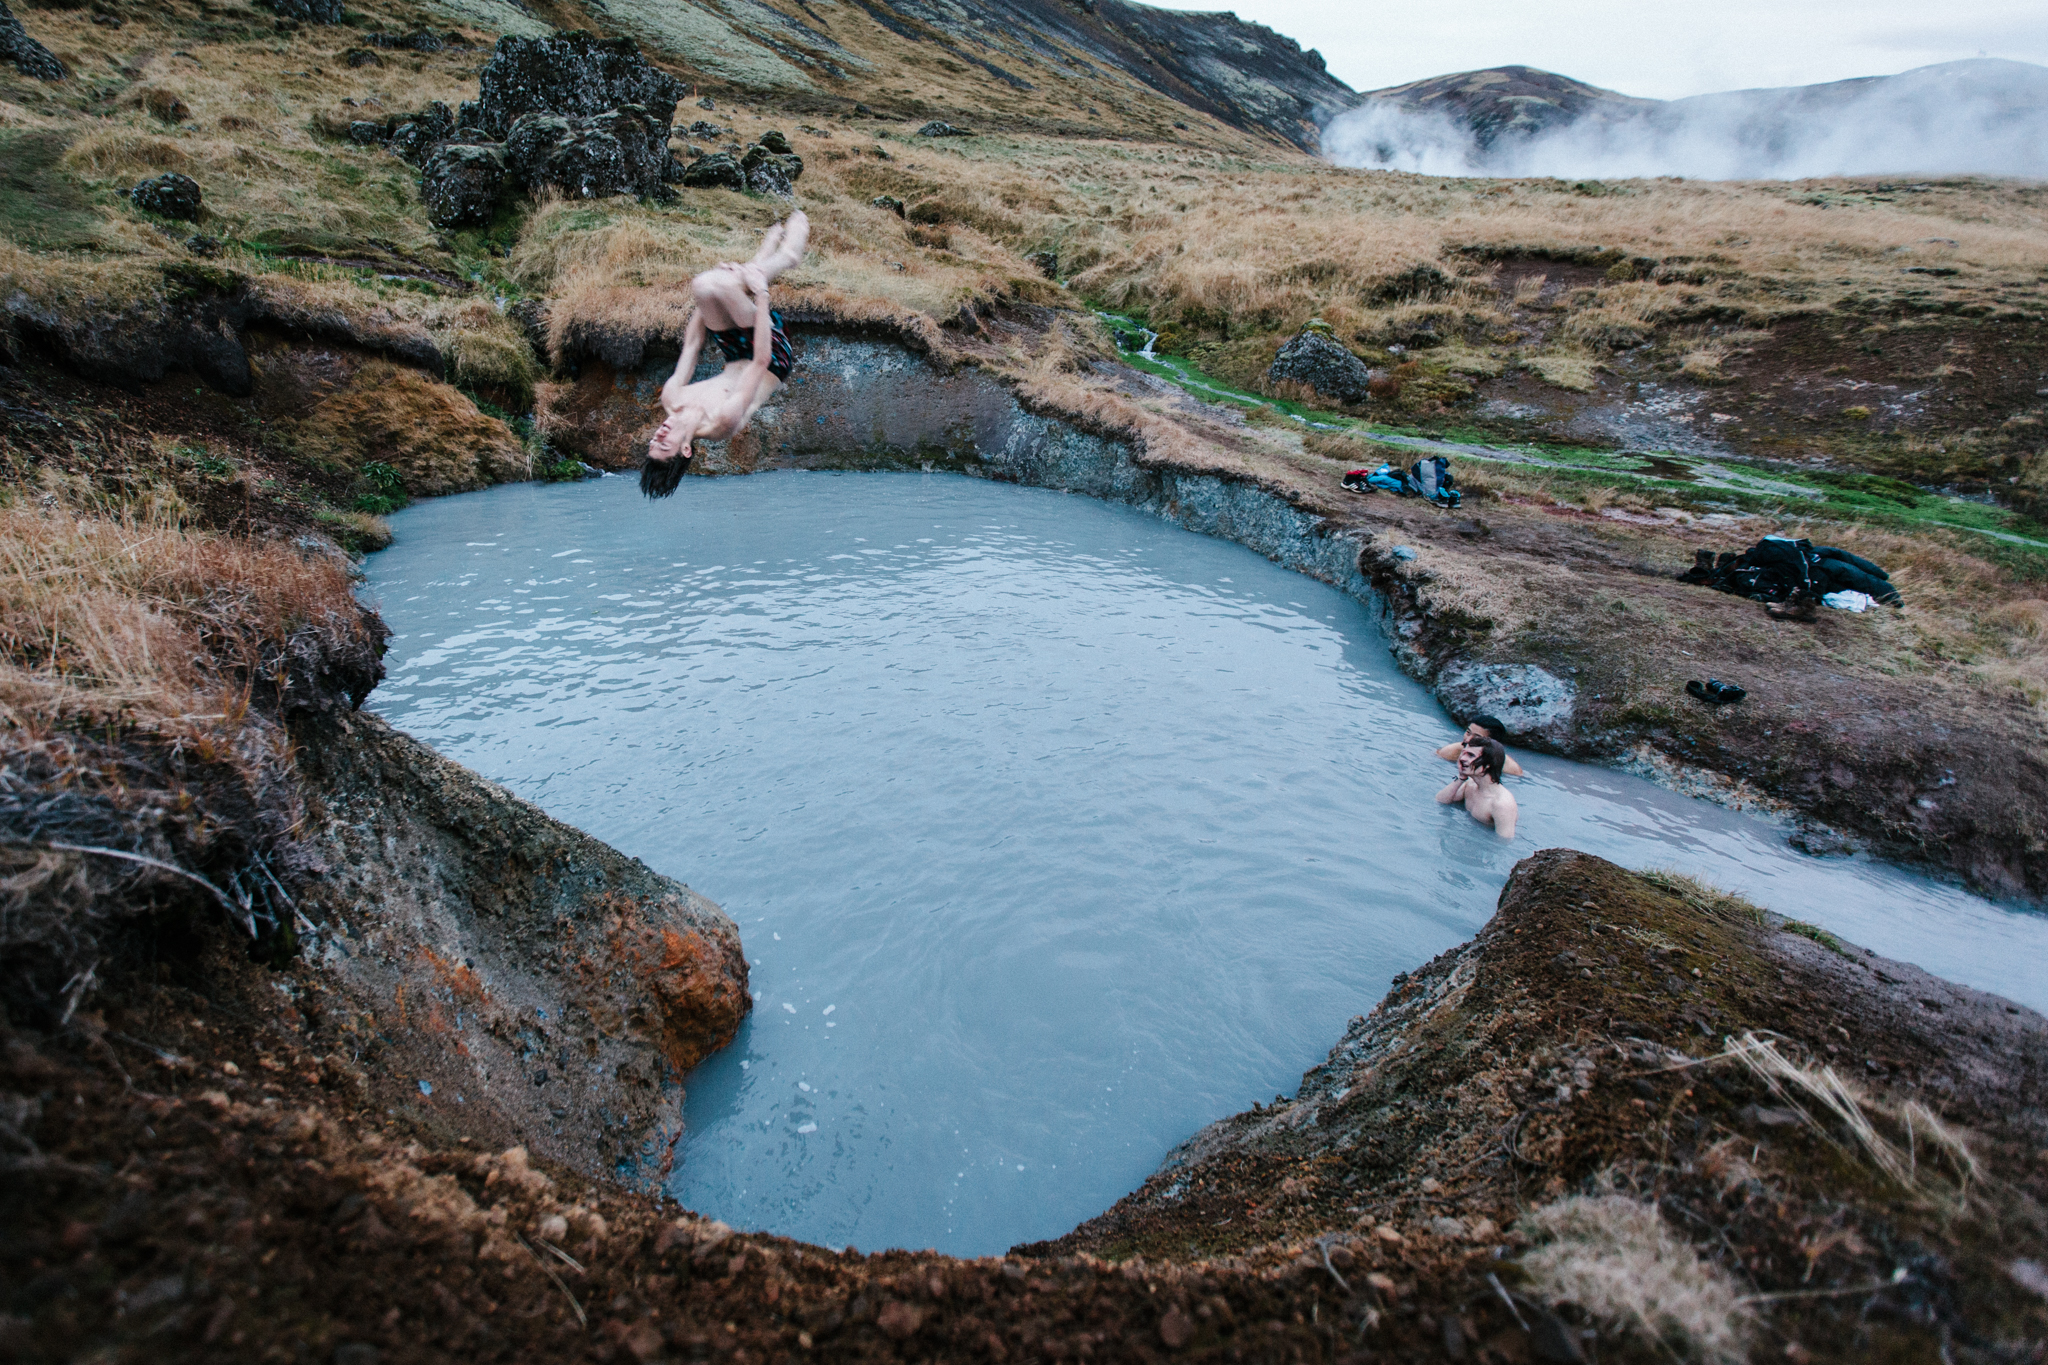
(1054, 832)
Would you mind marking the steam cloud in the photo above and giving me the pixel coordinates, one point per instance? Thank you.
(1985, 117)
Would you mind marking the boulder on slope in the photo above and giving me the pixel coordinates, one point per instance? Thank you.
(30, 56)
(169, 195)
(621, 151)
(460, 186)
(1323, 364)
(718, 171)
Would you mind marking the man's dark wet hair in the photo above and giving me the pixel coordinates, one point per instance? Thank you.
(1492, 725)
(1493, 760)
(659, 478)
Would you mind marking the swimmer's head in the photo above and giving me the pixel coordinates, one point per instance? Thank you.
(668, 454)
(1487, 727)
(1483, 756)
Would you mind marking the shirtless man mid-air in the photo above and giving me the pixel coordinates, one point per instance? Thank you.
(732, 308)
(1478, 787)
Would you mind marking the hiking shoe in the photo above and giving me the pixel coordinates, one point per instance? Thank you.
(1722, 693)
(1696, 688)
(1798, 607)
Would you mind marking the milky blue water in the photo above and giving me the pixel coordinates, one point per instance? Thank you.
(1053, 832)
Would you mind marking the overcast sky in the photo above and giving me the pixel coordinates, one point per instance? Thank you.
(1657, 49)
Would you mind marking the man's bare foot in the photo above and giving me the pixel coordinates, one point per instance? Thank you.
(783, 246)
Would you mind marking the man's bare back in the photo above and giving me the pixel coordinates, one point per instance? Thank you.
(733, 309)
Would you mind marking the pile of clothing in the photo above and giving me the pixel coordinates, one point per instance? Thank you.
(1430, 479)
(1781, 569)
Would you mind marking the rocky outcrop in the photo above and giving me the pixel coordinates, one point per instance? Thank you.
(1320, 362)
(621, 151)
(767, 167)
(414, 137)
(574, 113)
(169, 195)
(569, 74)
(460, 186)
(307, 11)
(30, 57)
(519, 977)
(716, 171)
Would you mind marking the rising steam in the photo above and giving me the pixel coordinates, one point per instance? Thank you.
(1986, 117)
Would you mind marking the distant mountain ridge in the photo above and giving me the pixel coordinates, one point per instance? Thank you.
(1984, 115)
(1115, 66)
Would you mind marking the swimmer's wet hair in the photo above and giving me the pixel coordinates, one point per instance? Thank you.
(1492, 726)
(1492, 758)
(659, 478)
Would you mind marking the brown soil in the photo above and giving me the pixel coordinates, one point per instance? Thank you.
(198, 1174)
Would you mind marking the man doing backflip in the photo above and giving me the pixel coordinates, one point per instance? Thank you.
(732, 308)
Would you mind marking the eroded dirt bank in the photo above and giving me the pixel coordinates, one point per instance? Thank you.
(190, 1176)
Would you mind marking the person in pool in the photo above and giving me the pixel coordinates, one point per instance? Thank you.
(732, 309)
(1478, 787)
(1480, 730)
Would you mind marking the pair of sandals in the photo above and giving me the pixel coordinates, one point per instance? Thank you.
(1714, 692)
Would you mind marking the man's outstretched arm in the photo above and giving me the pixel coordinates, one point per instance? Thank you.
(693, 346)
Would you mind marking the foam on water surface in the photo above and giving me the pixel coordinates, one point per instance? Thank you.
(1053, 831)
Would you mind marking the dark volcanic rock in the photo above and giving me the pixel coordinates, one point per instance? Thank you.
(25, 52)
(770, 176)
(777, 143)
(366, 132)
(1324, 365)
(307, 11)
(940, 128)
(720, 170)
(461, 184)
(889, 202)
(169, 195)
(361, 56)
(768, 173)
(707, 131)
(420, 40)
(414, 139)
(569, 74)
(622, 151)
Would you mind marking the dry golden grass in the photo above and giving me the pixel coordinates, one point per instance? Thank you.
(119, 621)
(432, 435)
(1567, 369)
(1615, 1257)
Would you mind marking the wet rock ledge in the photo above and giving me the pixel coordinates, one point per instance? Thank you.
(512, 978)
(1562, 1103)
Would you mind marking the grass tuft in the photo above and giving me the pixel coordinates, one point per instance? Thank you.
(1614, 1257)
